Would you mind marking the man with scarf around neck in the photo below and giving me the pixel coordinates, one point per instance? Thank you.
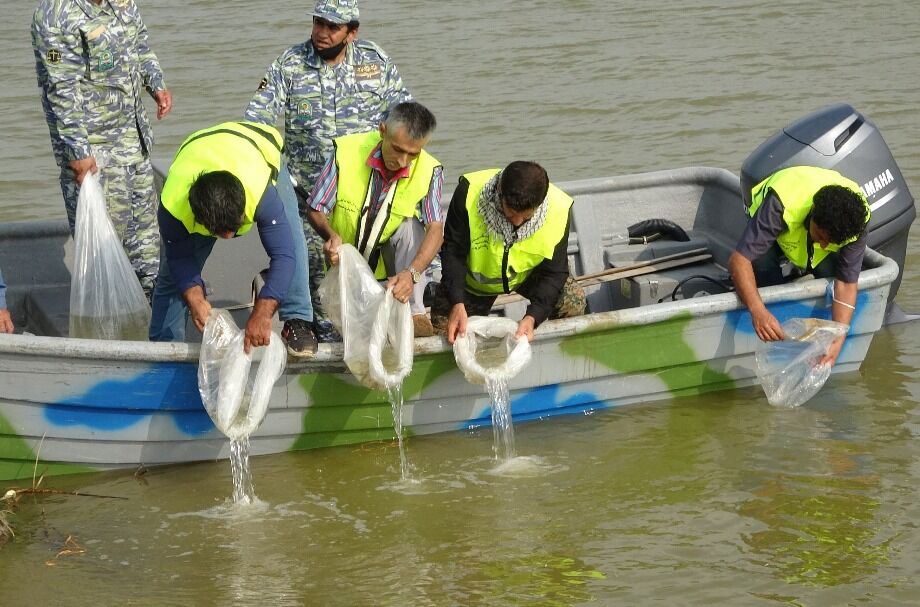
(506, 230)
(381, 192)
(333, 84)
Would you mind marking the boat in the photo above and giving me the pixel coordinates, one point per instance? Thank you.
(663, 324)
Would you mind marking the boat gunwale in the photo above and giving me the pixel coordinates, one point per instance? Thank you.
(882, 270)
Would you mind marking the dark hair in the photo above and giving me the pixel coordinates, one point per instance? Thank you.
(218, 201)
(418, 120)
(523, 185)
(840, 211)
(352, 25)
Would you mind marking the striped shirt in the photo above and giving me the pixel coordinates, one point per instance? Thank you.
(322, 197)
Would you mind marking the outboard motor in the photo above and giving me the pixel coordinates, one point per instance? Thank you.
(840, 138)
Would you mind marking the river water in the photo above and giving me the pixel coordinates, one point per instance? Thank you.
(701, 500)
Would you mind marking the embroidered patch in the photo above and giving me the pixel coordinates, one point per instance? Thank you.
(367, 71)
(96, 33)
(105, 61)
(54, 56)
(304, 109)
(263, 84)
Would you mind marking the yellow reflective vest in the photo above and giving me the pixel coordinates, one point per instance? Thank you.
(352, 202)
(796, 188)
(493, 267)
(248, 150)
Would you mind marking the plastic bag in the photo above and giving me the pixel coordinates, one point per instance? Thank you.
(377, 329)
(489, 350)
(106, 298)
(788, 370)
(236, 402)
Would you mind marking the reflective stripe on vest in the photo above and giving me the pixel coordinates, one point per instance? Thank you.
(796, 188)
(250, 151)
(485, 261)
(353, 189)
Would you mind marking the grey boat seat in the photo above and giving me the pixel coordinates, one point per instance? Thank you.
(48, 311)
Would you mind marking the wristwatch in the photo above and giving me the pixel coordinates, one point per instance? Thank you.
(416, 275)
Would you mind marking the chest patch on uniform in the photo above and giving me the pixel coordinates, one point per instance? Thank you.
(54, 56)
(96, 33)
(367, 71)
(304, 109)
(105, 61)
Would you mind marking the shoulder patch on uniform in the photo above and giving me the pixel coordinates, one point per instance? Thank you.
(367, 71)
(54, 55)
(263, 84)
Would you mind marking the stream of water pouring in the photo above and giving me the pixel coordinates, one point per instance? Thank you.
(243, 491)
(395, 394)
(502, 427)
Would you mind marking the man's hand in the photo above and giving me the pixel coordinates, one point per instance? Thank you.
(833, 351)
(766, 326)
(6, 322)
(198, 306)
(402, 286)
(331, 249)
(525, 328)
(259, 325)
(456, 323)
(83, 167)
(164, 103)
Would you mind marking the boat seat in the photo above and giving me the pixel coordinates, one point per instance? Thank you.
(48, 311)
(590, 257)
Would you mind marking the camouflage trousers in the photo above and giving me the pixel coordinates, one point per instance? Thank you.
(131, 199)
(571, 302)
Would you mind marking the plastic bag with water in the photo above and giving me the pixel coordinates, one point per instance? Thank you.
(377, 329)
(235, 401)
(106, 298)
(789, 370)
(489, 351)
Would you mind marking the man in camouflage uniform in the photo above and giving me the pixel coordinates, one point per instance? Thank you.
(92, 60)
(333, 84)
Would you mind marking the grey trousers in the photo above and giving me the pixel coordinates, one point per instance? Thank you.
(398, 253)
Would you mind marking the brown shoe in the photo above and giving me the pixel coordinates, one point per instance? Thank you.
(422, 326)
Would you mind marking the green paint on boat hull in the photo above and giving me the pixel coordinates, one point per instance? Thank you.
(343, 413)
(17, 459)
(659, 348)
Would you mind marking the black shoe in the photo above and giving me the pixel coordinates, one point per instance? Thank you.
(299, 337)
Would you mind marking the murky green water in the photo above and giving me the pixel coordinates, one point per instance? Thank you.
(702, 500)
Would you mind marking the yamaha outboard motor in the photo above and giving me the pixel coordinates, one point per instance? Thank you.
(842, 139)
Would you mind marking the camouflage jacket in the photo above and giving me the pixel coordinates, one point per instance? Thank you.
(91, 62)
(321, 102)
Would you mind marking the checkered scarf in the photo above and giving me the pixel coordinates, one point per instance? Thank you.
(498, 227)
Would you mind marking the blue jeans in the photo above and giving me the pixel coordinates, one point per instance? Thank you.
(169, 314)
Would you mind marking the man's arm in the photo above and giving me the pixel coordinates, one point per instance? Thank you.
(60, 69)
(544, 285)
(320, 204)
(6, 322)
(268, 101)
(154, 82)
(180, 255)
(454, 253)
(765, 324)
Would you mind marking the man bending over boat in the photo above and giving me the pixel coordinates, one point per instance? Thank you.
(381, 192)
(221, 182)
(815, 218)
(6, 322)
(506, 230)
(332, 85)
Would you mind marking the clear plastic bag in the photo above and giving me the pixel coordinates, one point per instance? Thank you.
(236, 402)
(789, 370)
(489, 351)
(106, 298)
(377, 329)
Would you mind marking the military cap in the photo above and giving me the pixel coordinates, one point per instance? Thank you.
(337, 11)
